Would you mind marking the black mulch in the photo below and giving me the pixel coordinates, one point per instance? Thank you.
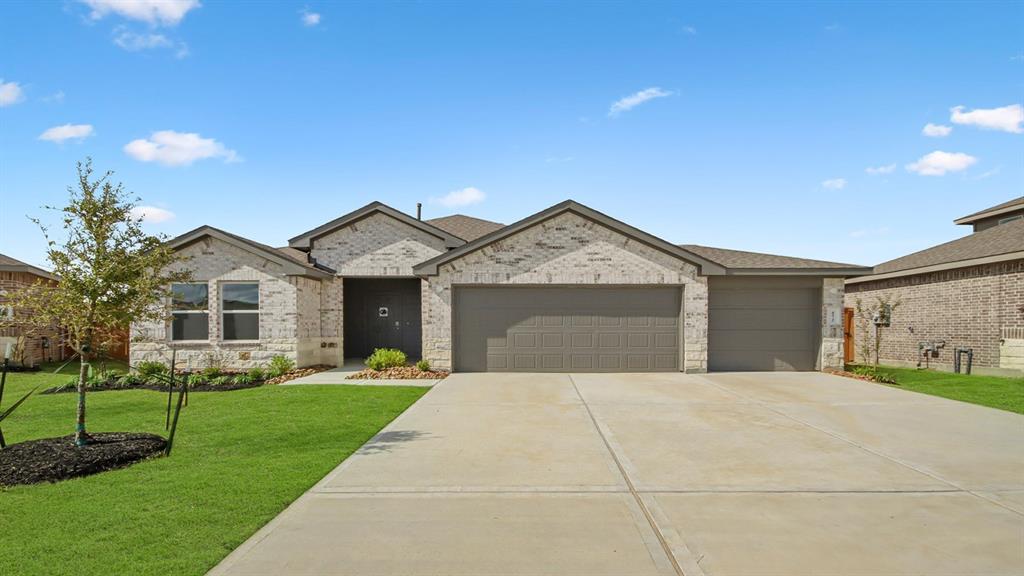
(56, 459)
(158, 388)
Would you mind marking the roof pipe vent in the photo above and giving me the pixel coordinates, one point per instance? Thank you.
(419, 210)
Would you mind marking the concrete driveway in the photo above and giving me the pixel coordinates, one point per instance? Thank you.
(630, 474)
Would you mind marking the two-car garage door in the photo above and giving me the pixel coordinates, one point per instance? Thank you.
(567, 329)
(754, 323)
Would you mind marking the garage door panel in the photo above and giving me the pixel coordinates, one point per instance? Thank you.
(567, 328)
(763, 324)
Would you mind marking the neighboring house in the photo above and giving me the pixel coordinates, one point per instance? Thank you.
(966, 293)
(29, 346)
(567, 289)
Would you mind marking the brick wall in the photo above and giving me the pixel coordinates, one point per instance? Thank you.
(966, 307)
(377, 245)
(289, 321)
(35, 352)
(565, 249)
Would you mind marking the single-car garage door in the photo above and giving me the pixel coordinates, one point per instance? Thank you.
(763, 323)
(566, 329)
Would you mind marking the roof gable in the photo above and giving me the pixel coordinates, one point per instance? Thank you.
(8, 264)
(1009, 206)
(707, 267)
(291, 265)
(305, 240)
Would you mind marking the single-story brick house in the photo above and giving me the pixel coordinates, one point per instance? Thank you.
(967, 293)
(567, 289)
(29, 346)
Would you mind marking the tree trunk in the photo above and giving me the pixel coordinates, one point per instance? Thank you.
(81, 436)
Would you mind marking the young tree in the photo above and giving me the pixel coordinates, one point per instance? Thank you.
(110, 273)
(866, 314)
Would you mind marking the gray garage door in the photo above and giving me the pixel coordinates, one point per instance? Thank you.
(763, 323)
(566, 329)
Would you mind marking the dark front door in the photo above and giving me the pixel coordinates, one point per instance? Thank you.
(382, 313)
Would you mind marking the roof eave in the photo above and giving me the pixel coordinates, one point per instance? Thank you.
(27, 269)
(988, 214)
(1018, 255)
(707, 267)
(291, 267)
(826, 272)
(305, 240)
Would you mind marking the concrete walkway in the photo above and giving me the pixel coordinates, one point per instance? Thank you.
(726, 474)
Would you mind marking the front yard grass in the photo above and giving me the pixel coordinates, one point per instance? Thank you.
(992, 391)
(239, 458)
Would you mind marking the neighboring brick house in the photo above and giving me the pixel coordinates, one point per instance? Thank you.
(29, 346)
(965, 293)
(567, 289)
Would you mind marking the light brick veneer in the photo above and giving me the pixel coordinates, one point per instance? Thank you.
(289, 322)
(565, 249)
(831, 355)
(970, 307)
(377, 245)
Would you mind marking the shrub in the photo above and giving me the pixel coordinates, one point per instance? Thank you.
(151, 370)
(211, 372)
(385, 358)
(885, 378)
(222, 380)
(128, 380)
(256, 374)
(279, 366)
(423, 365)
(195, 379)
(244, 379)
(861, 370)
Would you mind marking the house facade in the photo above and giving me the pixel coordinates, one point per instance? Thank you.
(29, 345)
(566, 289)
(967, 293)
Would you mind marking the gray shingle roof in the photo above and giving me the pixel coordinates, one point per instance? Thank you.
(466, 227)
(986, 212)
(8, 264)
(994, 241)
(743, 259)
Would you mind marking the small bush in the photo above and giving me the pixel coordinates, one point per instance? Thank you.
(885, 378)
(128, 380)
(256, 374)
(195, 379)
(861, 370)
(211, 372)
(383, 358)
(244, 379)
(423, 365)
(222, 380)
(280, 365)
(152, 370)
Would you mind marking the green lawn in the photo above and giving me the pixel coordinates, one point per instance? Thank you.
(239, 458)
(993, 391)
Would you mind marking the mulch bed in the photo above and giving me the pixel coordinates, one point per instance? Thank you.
(56, 459)
(401, 373)
(300, 373)
(851, 375)
(156, 387)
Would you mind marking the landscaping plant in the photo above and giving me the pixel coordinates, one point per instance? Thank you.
(423, 365)
(383, 358)
(279, 366)
(865, 314)
(111, 273)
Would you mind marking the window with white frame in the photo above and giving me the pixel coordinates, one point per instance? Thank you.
(190, 311)
(240, 310)
(6, 310)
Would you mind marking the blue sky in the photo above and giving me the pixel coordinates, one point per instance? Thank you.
(747, 126)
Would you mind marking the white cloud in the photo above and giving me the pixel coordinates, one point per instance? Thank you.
(463, 197)
(869, 232)
(834, 183)
(56, 97)
(135, 42)
(155, 12)
(59, 134)
(936, 130)
(172, 148)
(887, 169)
(634, 100)
(690, 30)
(938, 163)
(988, 174)
(152, 214)
(10, 93)
(309, 18)
(1006, 119)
